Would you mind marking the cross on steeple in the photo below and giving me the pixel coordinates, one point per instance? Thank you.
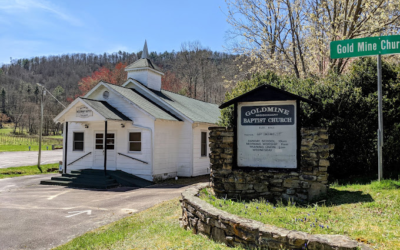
(145, 52)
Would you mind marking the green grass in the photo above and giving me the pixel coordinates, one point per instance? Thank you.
(9, 142)
(368, 213)
(27, 170)
(154, 228)
(11, 148)
(5, 130)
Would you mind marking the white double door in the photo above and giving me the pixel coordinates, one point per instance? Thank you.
(98, 159)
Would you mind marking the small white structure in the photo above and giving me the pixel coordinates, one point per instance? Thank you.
(138, 128)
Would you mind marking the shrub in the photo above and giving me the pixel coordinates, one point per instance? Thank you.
(349, 107)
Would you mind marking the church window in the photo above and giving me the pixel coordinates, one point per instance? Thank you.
(203, 143)
(135, 142)
(78, 141)
(106, 94)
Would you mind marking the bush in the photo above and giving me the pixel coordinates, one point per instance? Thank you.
(349, 107)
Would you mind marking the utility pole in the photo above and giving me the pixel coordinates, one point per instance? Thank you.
(43, 93)
(41, 124)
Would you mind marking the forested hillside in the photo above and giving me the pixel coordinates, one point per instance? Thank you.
(194, 71)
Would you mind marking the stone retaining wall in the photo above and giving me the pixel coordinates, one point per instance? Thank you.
(202, 218)
(308, 182)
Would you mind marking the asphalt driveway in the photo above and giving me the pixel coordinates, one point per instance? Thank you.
(34, 216)
(29, 158)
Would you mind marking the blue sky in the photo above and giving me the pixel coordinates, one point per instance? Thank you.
(31, 28)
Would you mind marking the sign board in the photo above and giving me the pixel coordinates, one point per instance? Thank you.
(267, 134)
(367, 46)
(83, 112)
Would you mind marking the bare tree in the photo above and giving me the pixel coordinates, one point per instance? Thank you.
(293, 36)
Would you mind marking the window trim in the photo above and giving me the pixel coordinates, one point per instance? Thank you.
(201, 143)
(141, 142)
(73, 141)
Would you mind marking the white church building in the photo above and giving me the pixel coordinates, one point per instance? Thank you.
(138, 128)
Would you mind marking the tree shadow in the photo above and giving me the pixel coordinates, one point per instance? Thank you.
(356, 180)
(339, 197)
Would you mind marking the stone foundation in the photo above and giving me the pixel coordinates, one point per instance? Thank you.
(202, 218)
(308, 182)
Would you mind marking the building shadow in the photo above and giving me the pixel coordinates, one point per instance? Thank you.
(339, 197)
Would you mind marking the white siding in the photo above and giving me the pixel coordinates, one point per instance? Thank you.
(86, 162)
(201, 164)
(147, 77)
(166, 143)
(185, 149)
(114, 160)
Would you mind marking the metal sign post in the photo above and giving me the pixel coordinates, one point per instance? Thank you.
(369, 46)
(380, 119)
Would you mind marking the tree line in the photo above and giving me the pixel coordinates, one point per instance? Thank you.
(194, 71)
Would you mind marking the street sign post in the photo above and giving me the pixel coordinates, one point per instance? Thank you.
(370, 46)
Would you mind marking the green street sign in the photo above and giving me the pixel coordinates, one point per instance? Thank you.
(368, 46)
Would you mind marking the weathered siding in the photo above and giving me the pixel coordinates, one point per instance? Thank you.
(201, 164)
(114, 160)
(185, 149)
(166, 142)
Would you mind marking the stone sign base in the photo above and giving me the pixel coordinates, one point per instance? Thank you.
(307, 183)
(202, 218)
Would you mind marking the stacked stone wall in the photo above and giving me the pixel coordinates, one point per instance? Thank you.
(308, 182)
(202, 218)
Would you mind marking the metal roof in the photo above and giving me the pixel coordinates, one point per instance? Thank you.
(197, 111)
(265, 87)
(144, 103)
(143, 63)
(105, 109)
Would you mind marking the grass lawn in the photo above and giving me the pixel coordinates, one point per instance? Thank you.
(154, 228)
(5, 130)
(368, 213)
(9, 148)
(10, 142)
(27, 170)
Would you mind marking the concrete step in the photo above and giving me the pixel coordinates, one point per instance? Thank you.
(88, 171)
(85, 180)
(129, 180)
(80, 185)
(86, 176)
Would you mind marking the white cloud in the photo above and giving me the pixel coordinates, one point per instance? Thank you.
(16, 6)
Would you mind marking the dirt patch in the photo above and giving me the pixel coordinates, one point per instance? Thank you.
(12, 173)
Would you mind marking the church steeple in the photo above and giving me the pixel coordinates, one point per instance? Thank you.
(145, 71)
(145, 53)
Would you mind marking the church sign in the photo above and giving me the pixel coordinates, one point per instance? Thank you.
(267, 134)
(83, 112)
(266, 130)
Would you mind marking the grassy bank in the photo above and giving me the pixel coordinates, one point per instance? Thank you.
(368, 213)
(154, 228)
(13, 148)
(27, 170)
(10, 142)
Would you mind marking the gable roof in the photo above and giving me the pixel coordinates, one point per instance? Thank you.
(264, 93)
(105, 110)
(197, 111)
(144, 103)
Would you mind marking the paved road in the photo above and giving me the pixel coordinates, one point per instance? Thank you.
(28, 158)
(36, 216)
